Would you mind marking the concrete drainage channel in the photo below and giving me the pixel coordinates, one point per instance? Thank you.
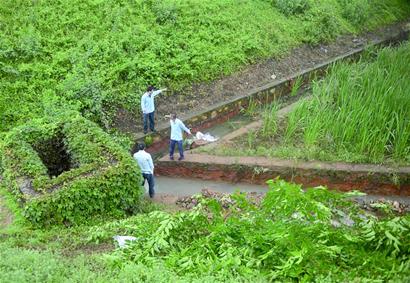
(372, 179)
(369, 178)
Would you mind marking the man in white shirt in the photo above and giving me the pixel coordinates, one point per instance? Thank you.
(177, 129)
(148, 107)
(146, 165)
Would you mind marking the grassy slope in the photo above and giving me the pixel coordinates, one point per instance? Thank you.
(93, 55)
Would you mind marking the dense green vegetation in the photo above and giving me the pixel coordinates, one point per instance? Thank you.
(317, 235)
(64, 63)
(359, 113)
(98, 55)
(65, 169)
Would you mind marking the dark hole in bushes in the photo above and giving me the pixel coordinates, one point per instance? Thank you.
(54, 155)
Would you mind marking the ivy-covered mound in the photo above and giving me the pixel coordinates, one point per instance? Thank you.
(67, 169)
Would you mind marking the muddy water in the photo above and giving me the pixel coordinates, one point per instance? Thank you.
(229, 126)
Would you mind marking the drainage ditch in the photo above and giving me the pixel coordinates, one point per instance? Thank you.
(372, 179)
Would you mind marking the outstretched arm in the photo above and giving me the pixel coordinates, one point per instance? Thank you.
(156, 92)
(185, 128)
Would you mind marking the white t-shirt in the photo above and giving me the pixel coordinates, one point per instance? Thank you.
(144, 161)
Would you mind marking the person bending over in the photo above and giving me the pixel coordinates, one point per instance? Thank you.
(177, 129)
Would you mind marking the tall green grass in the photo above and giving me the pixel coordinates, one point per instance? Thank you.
(270, 122)
(361, 109)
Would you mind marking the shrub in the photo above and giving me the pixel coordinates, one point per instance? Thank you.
(291, 7)
(355, 11)
(165, 12)
(148, 140)
(322, 25)
(64, 169)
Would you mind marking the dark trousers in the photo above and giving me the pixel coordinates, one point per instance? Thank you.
(150, 117)
(150, 179)
(172, 148)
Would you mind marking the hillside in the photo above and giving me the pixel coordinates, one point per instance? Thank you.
(97, 56)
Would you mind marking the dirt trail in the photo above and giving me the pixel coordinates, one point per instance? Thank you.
(6, 217)
(203, 95)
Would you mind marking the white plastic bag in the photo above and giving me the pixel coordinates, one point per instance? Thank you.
(122, 240)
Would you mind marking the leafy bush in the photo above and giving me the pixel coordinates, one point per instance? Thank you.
(355, 11)
(291, 235)
(65, 169)
(165, 12)
(148, 140)
(390, 236)
(291, 7)
(322, 25)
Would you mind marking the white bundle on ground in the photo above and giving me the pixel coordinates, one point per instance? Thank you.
(206, 137)
(200, 139)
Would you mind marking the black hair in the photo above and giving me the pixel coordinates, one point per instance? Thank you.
(150, 88)
(141, 146)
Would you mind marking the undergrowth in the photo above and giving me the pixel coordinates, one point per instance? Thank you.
(293, 235)
(315, 235)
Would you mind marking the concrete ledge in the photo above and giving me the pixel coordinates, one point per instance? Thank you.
(371, 179)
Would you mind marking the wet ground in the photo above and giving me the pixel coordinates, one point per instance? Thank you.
(229, 126)
(185, 187)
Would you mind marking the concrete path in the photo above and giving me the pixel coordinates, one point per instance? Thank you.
(185, 187)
